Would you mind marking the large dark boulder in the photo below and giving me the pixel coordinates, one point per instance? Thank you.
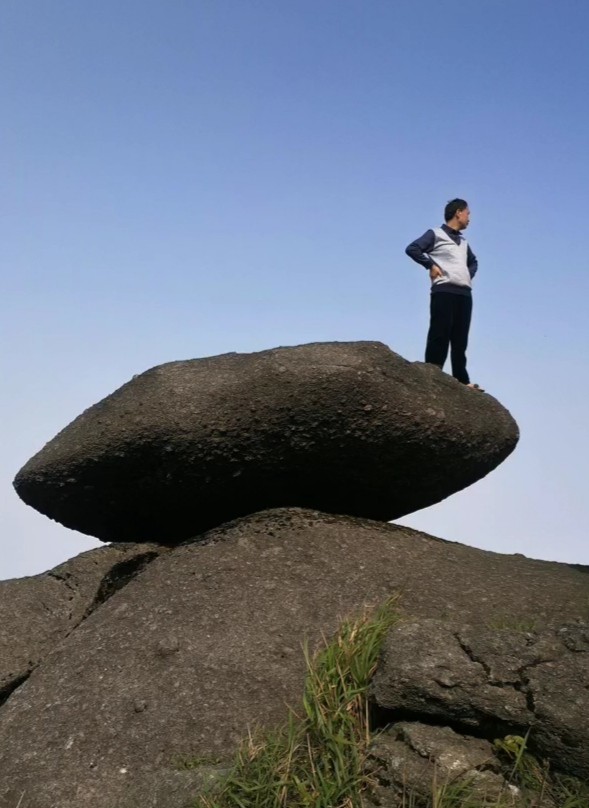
(349, 428)
(207, 641)
(39, 611)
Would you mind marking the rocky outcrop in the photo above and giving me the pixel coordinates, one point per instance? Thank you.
(36, 613)
(207, 640)
(407, 758)
(348, 428)
(494, 682)
(130, 675)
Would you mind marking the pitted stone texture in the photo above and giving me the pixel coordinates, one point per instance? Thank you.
(499, 682)
(207, 642)
(348, 428)
(37, 612)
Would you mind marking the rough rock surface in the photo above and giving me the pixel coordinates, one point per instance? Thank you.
(39, 611)
(348, 428)
(207, 641)
(406, 759)
(496, 682)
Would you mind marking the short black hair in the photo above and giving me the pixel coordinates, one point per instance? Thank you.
(452, 208)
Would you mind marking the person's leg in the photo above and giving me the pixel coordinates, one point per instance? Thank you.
(459, 336)
(440, 328)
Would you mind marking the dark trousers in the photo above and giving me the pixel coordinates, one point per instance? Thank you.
(448, 328)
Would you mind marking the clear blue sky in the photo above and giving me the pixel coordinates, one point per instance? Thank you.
(182, 178)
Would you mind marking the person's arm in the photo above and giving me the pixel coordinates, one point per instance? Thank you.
(419, 249)
(471, 262)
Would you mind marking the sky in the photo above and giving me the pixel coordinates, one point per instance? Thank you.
(183, 178)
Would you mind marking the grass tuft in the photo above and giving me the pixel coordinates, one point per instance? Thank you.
(317, 759)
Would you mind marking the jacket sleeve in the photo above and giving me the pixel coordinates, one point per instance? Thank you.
(471, 262)
(418, 250)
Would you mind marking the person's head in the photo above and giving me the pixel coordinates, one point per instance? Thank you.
(457, 214)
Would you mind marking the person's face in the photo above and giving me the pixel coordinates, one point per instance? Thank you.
(463, 218)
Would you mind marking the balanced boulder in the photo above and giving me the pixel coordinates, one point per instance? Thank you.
(348, 428)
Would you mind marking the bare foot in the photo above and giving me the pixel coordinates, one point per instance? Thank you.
(475, 387)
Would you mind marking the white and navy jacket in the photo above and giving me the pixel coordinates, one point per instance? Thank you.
(448, 249)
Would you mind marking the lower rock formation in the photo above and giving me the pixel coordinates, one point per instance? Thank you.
(207, 641)
(494, 682)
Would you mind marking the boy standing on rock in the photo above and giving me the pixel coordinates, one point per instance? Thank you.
(452, 265)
